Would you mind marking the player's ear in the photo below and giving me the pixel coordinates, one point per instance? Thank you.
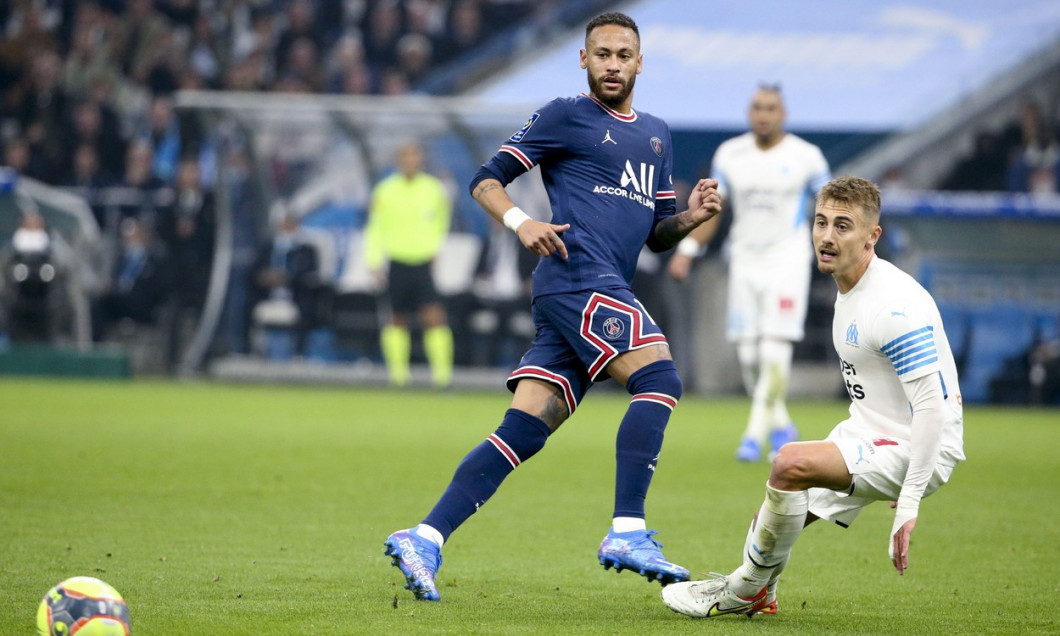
(583, 59)
(874, 236)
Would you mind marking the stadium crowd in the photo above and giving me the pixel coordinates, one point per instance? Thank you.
(87, 99)
(87, 103)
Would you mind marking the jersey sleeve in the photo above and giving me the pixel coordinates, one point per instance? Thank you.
(665, 197)
(544, 134)
(820, 173)
(717, 170)
(907, 337)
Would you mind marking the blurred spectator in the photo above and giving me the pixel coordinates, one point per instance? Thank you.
(381, 32)
(29, 28)
(983, 170)
(187, 228)
(346, 70)
(138, 285)
(300, 30)
(140, 188)
(284, 283)
(88, 177)
(18, 154)
(40, 109)
(1035, 164)
(205, 56)
(90, 57)
(465, 29)
(137, 32)
(96, 124)
(414, 56)
(161, 130)
(33, 292)
(302, 66)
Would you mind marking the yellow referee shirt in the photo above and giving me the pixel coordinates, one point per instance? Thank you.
(408, 221)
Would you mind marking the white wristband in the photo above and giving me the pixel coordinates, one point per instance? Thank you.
(690, 247)
(515, 217)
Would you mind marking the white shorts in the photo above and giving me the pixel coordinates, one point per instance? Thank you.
(878, 465)
(767, 300)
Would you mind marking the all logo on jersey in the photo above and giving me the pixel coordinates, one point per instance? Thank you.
(641, 181)
(657, 146)
(636, 185)
(614, 328)
(852, 334)
(518, 136)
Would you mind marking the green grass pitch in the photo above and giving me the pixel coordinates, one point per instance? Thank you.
(228, 510)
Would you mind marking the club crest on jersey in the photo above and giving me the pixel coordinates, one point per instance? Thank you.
(852, 334)
(614, 328)
(657, 146)
(518, 136)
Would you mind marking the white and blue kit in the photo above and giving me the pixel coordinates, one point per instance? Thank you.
(888, 333)
(772, 195)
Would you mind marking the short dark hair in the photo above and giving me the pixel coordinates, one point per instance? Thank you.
(612, 17)
(854, 191)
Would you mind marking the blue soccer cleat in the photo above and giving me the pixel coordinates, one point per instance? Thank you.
(418, 559)
(749, 450)
(639, 552)
(780, 436)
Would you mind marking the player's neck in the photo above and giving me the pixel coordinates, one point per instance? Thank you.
(849, 279)
(625, 108)
(765, 143)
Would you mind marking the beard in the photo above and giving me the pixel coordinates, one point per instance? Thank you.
(611, 100)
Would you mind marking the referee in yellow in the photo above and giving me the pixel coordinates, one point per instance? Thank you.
(407, 224)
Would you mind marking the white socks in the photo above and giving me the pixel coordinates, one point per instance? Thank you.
(770, 539)
(627, 524)
(427, 532)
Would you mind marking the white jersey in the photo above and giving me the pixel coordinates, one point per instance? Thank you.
(887, 330)
(772, 193)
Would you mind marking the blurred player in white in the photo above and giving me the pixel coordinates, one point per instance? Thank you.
(904, 435)
(770, 178)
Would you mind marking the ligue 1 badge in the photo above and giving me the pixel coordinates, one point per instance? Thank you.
(517, 137)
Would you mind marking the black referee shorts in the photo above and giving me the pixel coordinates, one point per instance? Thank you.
(411, 287)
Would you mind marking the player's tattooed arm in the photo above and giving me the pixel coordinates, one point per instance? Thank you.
(486, 186)
(672, 229)
(704, 203)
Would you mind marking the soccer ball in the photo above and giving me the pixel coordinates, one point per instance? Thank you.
(83, 606)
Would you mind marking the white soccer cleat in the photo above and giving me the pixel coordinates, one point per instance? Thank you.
(710, 598)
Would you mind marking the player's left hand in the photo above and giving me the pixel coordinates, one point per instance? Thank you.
(704, 201)
(899, 549)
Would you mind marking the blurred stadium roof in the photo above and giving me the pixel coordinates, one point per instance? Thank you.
(879, 66)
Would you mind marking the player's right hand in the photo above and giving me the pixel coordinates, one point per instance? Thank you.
(543, 238)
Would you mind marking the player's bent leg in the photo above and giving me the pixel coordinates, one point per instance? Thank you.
(804, 465)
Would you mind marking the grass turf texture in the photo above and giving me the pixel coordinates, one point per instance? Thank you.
(242, 510)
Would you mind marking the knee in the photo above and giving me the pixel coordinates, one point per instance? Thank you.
(657, 377)
(792, 470)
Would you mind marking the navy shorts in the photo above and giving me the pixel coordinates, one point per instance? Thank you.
(579, 333)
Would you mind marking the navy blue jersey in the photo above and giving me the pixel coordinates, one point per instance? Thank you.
(607, 174)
